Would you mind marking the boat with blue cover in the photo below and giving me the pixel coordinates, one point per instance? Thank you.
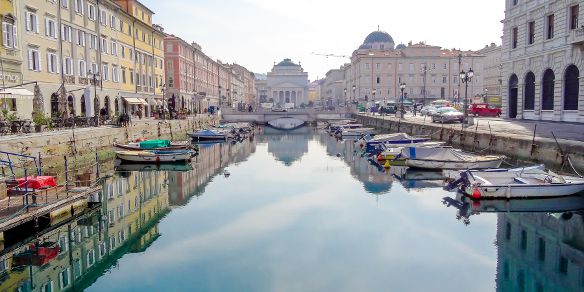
(208, 135)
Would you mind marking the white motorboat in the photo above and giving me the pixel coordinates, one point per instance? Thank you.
(356, 132)
(153, 156)
(448, 158)
(527, 183)
(208, 135)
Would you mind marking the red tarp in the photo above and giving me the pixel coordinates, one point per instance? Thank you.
(37, 182)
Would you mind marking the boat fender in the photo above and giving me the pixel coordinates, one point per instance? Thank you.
(379, 157)
(476, 193)
(387, 165)
(157, 159)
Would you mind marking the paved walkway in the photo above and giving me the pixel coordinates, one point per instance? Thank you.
(8, 138)
(517, 128)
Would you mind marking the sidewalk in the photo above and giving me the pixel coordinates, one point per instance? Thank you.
(516, 128)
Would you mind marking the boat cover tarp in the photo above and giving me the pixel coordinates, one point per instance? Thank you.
(437, 154)
(392, 137)
(153, 144)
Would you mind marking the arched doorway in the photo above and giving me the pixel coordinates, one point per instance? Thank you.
(571, 88)
(106, 101)
(55, 105)
(83, 112)
(529, 92)
(182, 102)
(71, 105)
(513, 91)
(117, 106)
(96, 106)
(547, 96)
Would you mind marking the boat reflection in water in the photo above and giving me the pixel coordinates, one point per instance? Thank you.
(72, 255)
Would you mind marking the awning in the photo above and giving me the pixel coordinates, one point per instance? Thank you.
(16, 91)
(155, 102)
(135, 100)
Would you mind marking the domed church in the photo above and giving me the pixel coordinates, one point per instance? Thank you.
(287, 84)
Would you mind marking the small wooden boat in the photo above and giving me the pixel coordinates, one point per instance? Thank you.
(448, 158)
(527, 183)
(143, 167)
(141, 145)
(356, 132)
(396, 139)
(208, 135)
(152, 157)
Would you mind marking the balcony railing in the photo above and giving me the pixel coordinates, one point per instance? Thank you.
(577, 36)
(83, 80)
(68, 79)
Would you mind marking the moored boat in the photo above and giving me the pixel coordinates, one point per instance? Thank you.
(141, 146)
(373, 144)
(529, 183)
(208, 135)
(448, 158)
(152, 157)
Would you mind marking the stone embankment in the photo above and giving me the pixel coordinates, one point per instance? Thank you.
(499, 139)
(82, 144)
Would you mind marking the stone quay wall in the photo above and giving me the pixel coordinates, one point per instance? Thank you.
(542, 150)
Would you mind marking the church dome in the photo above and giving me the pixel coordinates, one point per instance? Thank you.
(287, 62)
(378, 37)
(400, 47)
(378, 40)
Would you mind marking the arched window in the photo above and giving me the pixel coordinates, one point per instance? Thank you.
(547, 96)
(117, 106)
(513, 92)
(571, 88)
(55, 105)
(107, 104)
(83, 112)
(529, 92)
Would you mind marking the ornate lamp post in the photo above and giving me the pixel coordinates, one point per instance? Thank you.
(345, 92)
(163, 89)
(95, 77)
(466, 77)
(402, 87)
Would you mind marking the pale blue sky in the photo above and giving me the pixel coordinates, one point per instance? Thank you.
(257, 33)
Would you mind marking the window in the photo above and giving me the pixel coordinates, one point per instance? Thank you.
(541, 249)
(571, 88)
(68, 62)
(113, 21)
(115, 74)
(104, 73)
(563, 265)
(378, 80)
(523, 242)
(529, 98)
(547, 100)
(103, 18)
(94, 68)
(445, 66)
(114, 50)
(514, 36)
(531, 32)
(411, 68)
(34, 61)
(9, 39)
(443, 79)
(66, 32)
(377, 66)
(515, 2)
(93, 44)
(131, 77)
(91, 11)
(90, 258)
(550, 27)
(123, 75)
(32, 22)
(103, 45)
(52, 63)
(64, 278)
(50, 28)
(47, 287)
(574, 10)
(81, 38)
(82, 68)
(79, 6)
(400, 66)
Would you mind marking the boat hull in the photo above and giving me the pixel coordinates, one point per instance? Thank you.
(148, 157)
(437, 164)
(524, 191)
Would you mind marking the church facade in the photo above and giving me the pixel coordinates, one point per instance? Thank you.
(287, 84)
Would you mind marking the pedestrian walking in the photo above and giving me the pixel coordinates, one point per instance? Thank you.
(415, 109)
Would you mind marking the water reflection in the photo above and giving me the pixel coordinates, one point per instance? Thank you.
(299, 226)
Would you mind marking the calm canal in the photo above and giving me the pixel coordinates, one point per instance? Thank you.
(303, 212)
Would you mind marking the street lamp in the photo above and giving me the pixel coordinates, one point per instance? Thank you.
(228, 97)
(466, 77)
(402, 87)
(163, 89)
(354, 89)
(345, 92)
(95, 77)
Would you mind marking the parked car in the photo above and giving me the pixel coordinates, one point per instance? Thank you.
(428, 110)
(484, 110)
(447, 114)
(278, 108)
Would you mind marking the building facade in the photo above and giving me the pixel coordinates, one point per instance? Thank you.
(492, 70)
(334, 88)
(542, 59)
(430, 72)
(91, 55)
(288, 84)
(10, 56)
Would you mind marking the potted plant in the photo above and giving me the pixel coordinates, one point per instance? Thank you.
(40, 121)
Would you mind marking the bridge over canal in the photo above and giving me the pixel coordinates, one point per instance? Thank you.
(264, 116)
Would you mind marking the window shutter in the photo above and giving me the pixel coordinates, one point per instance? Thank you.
(27, 15)
(30, 65)
(5, 34)
(47, 28)
(36, 21)
(62, 31)
(15, 36)
(70, 34)
(49, 62)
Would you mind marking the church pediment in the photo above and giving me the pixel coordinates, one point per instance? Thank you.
(287, 84)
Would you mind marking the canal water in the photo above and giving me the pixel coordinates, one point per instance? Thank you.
(300, 211)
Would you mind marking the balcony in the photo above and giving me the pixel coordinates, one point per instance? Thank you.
(576, 36)
(83, 80)
(68, 79)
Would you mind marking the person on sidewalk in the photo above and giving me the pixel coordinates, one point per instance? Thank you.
(415, 109)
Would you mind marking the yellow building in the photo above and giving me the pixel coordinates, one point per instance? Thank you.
(10, 57)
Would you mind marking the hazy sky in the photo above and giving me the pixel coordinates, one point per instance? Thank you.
(257, 33)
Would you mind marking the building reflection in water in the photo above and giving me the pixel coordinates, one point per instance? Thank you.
(72, 255)
(287, 146)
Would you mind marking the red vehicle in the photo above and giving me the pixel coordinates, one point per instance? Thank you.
(484, 110)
